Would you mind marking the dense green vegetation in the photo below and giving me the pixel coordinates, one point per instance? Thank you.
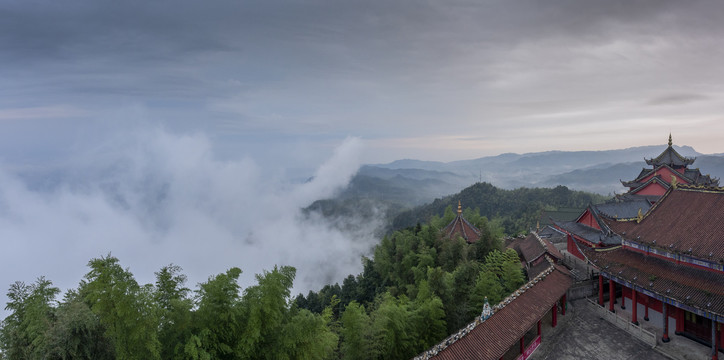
(517, 210)
(418, 288)
(111, 316)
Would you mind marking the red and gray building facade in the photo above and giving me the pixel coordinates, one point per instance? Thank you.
(659, 250)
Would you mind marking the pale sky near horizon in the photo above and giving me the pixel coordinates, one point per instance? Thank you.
(148, 129)
(286, 82)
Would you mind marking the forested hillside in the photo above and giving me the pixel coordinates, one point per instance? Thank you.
(419, 287)
(517, 210)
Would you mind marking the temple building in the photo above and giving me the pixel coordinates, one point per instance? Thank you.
(670, 263)
(667, 168)
(655, 252)
(659, 250)
(532, 251)
(512, 327)
(461, 227)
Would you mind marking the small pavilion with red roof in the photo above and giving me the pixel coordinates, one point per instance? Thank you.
(461, 227)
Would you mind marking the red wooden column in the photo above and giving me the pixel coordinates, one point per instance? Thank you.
(634, 307)
(563, 305)
(611, 295)
(679, 321)
(555, 315)
(665, 338)
(646, 308)
(623, 297)
(600, 289)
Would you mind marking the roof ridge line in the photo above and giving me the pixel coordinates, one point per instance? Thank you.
(445, 343)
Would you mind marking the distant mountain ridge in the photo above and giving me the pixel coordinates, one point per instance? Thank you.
(593, 171)
(402, 185)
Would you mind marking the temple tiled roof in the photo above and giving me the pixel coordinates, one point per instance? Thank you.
(512, 318)
(623, 209)
(670, 157)
(699, 179)
(689, 176)
(551, 249)
(552, 234)
(588, 233)
(531, 248)
(547, 217)
(631, 197)
(463, 228)
(687, 220)
(701, 289)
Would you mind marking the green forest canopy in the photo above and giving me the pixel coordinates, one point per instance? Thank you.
(517, 210)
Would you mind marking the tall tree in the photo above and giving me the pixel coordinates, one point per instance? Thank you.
(125, 309)
(77, 333)
(391, 322)
(175, 323)
(23, 334)
(218, 318)
(357, 341)
(265, 309)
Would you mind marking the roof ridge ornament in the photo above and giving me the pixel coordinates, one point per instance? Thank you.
(487, 311)
(670, 142)
(460, 208)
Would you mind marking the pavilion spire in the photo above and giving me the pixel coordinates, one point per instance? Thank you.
(670, 142)
(460, 208)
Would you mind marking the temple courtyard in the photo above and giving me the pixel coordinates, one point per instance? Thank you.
(584, 334)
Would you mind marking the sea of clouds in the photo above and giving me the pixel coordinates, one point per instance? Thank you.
(154, 198)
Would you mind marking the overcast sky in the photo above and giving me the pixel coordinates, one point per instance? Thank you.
(211, 92)
(287, 81)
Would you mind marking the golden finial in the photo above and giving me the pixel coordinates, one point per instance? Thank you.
(670, 139)
(673, 181)
(537, 226)
(460, 208)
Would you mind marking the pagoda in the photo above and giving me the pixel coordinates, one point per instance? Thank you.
(463, 228)
(667, 168)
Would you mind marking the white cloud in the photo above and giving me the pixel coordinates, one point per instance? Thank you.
(156, 198)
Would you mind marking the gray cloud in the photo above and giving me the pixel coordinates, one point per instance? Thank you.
(677, 99)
